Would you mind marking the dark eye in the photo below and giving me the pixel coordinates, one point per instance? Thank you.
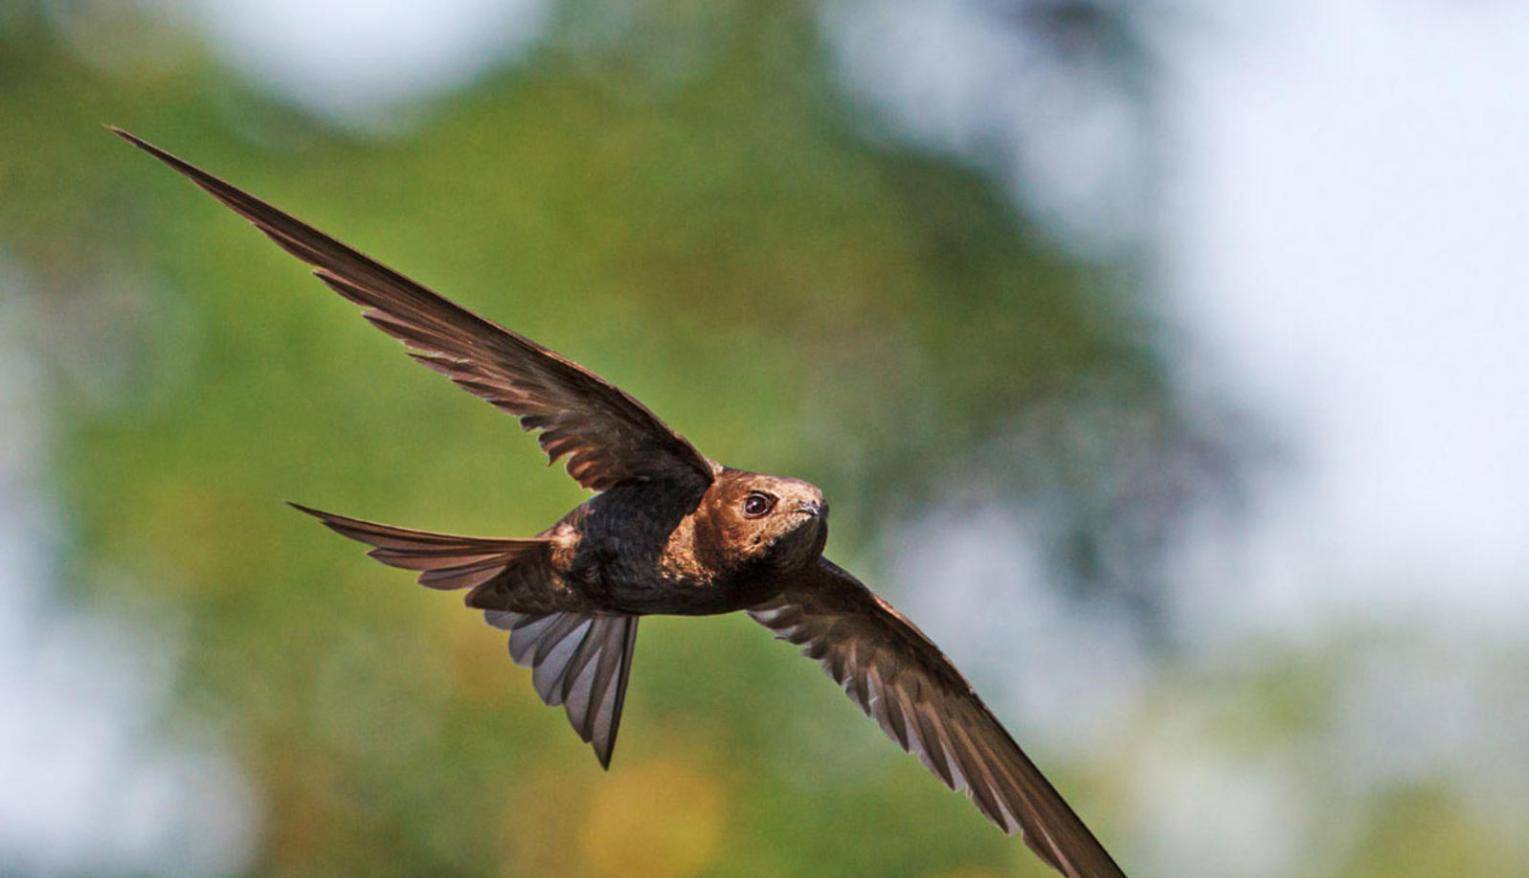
(757, 503)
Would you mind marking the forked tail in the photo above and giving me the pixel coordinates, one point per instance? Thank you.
(580, 660)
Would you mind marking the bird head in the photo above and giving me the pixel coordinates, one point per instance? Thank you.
(760, 519)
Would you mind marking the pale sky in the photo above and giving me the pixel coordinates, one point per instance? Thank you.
(1347, 241)
(361, 60)
(1342, 248)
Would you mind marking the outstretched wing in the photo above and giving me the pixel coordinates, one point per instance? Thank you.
(899, 677)
(607, 436)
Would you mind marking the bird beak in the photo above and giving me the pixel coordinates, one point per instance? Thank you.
(812, 508)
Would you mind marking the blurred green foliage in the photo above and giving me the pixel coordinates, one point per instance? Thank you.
(697, 216)
(686, 205)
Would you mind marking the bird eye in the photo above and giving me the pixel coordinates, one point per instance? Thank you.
(757, 503)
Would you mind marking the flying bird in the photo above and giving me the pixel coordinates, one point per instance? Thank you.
(668, 531)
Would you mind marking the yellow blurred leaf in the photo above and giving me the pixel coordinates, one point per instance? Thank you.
(661, 819)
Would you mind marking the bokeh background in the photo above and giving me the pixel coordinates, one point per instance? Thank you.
(1166, 361)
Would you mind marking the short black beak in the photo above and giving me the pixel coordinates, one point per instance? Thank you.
(813, 508)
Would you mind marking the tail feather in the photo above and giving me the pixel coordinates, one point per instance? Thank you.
(581, 661)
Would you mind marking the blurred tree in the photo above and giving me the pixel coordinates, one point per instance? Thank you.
(673, 194)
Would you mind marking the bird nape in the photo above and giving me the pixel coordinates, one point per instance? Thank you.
(668, 531)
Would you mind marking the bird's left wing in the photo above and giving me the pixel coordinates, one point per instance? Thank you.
(899, 677)
(607, 436)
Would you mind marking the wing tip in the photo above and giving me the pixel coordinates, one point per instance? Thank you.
(307, 510)
(139, 142)
(337, 523)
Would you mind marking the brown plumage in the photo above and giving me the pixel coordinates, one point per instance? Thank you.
(669, 531)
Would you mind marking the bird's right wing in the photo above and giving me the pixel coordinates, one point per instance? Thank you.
(899, 677)
(607, 436)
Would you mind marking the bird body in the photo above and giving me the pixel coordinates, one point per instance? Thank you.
(644, 548)
(668, 531)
